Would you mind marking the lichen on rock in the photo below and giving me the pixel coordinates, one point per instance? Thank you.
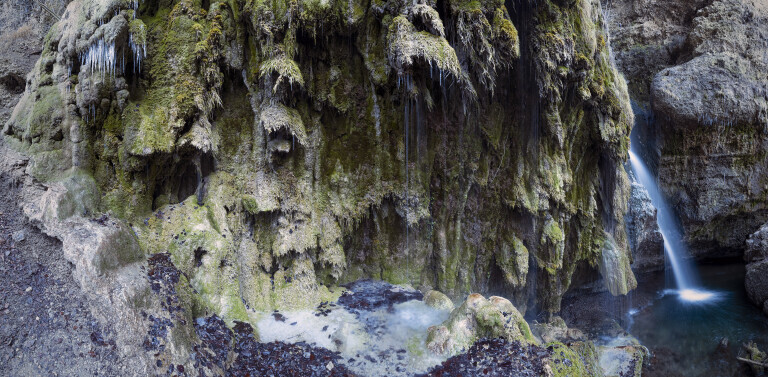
(277, 150)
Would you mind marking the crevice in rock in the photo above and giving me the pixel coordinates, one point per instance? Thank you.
(14, 83)
(199, 254)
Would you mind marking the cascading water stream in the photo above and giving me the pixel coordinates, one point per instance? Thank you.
(674, 248)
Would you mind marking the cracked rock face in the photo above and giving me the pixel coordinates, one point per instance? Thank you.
(645, 240)
(699, 73)
(712, 140)
(755, 255)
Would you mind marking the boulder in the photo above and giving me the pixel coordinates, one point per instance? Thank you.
(757, 245)
(710, 115)
(756, 279)
(438, 300)
(622, 356)
(645, 239)
(557, 331)
(477, 318)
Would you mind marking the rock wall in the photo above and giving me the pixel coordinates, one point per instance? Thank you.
(699, 83)
(276, 149)
(23, 23)
(645, 239)
(755, 254)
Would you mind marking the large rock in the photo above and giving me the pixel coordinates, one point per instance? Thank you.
(698, 81)
(757, 245)
(438, 300)
(648, 36)
(756, 279)
(477, 318)
(556, 330)
(622, 357)
(23, 24)
(645, 239)
(711, 113)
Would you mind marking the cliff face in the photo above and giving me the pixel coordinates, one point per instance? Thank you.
(22, 27)
(701, 90)
(276, 149)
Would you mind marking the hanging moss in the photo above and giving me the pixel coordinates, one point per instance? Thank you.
(303, 144)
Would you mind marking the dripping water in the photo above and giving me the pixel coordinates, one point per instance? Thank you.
(407, 177)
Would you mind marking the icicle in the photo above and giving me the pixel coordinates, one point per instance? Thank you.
(139, 52)
(100, 58)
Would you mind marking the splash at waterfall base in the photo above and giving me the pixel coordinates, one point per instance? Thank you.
(685, 275)
(691, 339)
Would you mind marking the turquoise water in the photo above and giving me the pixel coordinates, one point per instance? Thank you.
(688, 333)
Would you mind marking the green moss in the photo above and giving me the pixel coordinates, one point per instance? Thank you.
(407, 46)
(138, 31)
(275, 117)
(284, 69)
(512, 259)
(589, 357)
(565, 362)
(336, 208)
(505, 34)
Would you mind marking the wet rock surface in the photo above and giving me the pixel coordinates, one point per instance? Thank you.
(370, 295)
(756, 279)
(645, 239)
(495, 357)
(476, 318)
(281, 359)
(697, 71)
(47, 328)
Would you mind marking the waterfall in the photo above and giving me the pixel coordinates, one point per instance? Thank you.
(674, 247)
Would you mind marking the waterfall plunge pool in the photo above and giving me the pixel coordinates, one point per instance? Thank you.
(685, 335)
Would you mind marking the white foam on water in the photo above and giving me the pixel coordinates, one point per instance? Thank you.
(308, 327)
(697, 295)
(386, 342)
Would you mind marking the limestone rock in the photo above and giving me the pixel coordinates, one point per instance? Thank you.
(757, 245)
(478, 317)
(556, 330)
(622, 356)
(697, 79)
(645, 240)
(756, 279)
(711, 115)
(438, 300)
(275, 151)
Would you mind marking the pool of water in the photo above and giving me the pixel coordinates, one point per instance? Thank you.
(688, 333)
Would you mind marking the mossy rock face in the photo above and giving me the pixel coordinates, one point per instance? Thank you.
(278, 149)
(438, 300)
(477, 318)
(565, 362)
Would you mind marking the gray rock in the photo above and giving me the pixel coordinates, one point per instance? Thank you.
(701, 68)
(756, 283)
(438, 300)
(757, 245)
(756, 279)
(478, 317)
(19, 236)
(645, 239)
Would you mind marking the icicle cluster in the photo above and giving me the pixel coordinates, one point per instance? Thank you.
(101, 58)
(139, 52)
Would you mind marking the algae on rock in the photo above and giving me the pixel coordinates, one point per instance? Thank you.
(279, 149)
